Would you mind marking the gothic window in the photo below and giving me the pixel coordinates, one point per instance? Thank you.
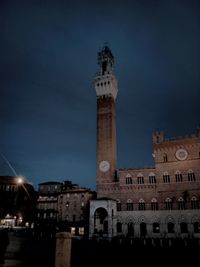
(194, 203)
(152, 178)
(143, 229)
(119, 205)
(181, 203)
(166, 178)
(170, 227)
(154, 204)
(156, 227)
(184, 227)
(129, 204)
(191, 176)
(165, 158)
(141, 204)
(168, 204)
(178, 176)
(140, 178)
(196, 226)
(130, 228)
(129, 179)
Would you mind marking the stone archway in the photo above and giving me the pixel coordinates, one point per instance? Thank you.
(101, 221)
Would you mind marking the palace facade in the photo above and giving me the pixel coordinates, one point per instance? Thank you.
(161, 201)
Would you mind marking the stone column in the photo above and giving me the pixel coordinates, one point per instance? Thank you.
(63, 249)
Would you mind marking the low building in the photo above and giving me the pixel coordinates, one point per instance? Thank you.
(17, 201)
(64, 206)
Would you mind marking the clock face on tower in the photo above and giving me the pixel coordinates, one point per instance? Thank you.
(104, 166)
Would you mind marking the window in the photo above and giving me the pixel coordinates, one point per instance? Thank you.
(152, 178)
(154, 204)
(141, 205)
(129, 179)
(168, 204)
(181, 203)
(156, 227)
(184, 227)
(191, 176)
(170, 227)
(178, 176)
(166, 178)
(119, 205)
(194, 203)
(140, 179)
(196, 226)
(129, 205)
(165, 158)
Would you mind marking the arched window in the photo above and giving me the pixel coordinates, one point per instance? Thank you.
(168, 204)
(140, 178)
(184, 227)
(129, 179)
(154, 204)
(130, 228)
(194, 203)
(166, 178)
(152, 178)
(141, 204)
(119, 205)
(178, 176)
(181, 203)
(170, 227)
(196, 226)
(191, 176)
(165, 159)
(156, 227)
(129, 204)
(143, 229)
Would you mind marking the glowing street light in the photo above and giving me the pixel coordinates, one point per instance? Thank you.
(20, 180)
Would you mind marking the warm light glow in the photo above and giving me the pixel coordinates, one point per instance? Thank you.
(20, 180)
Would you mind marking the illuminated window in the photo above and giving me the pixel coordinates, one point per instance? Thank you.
(156, 227)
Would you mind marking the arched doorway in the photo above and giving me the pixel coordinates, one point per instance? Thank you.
(101, 222)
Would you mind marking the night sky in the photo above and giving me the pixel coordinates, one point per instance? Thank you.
(48, 62)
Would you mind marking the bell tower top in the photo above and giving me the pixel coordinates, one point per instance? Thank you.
(105, 81)
(105, 61)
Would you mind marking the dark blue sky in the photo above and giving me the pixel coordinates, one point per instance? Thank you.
(48, 61)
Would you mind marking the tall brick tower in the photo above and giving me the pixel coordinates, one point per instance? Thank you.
(106, 91)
